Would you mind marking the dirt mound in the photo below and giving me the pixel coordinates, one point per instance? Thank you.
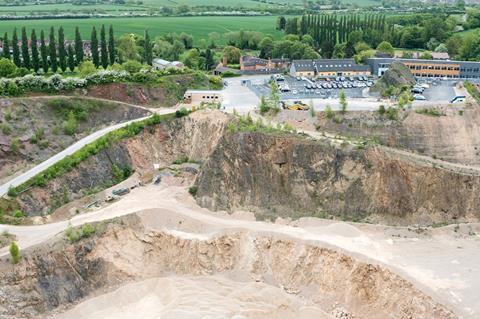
(189, 297)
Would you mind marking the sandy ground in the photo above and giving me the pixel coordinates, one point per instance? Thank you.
(190, 297)
(444, 263)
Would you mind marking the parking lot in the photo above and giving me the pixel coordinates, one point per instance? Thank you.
(326, 88)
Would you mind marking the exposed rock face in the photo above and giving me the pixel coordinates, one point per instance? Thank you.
(277, 176)
(397, 75)
(288, 176)
(47, 281)
(454, 137)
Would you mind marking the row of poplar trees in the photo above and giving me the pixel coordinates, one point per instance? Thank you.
(331, 28)
(55, 54)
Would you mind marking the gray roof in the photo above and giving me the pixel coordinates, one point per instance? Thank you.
(326, 65)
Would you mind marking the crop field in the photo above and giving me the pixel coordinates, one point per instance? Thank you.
(199, 27)
(65, 8)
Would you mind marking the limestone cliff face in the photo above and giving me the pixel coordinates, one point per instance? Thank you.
(289, 176)
(454, 136)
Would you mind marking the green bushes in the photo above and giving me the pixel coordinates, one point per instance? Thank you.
(193, 190)
(329, 112)
(15, 253)
(181, 160)
(229, 74)
(392, 114)
(70, 125)
(182, 112)
(472, 90)
(429, 112)
(120, 174)
(76, 234)
(247, 124)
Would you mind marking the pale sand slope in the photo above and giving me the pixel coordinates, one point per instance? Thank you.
(191, 297)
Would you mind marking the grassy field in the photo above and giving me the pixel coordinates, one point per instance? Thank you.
(199, 27)
(465, 33)
(67, 7)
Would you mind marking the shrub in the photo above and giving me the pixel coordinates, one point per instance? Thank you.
(15, 145)
(392, 113)
(12, 192)
(7, 68)
(70, 125)
(181, 160)
(6, 129)
(18, 214)
(15, 253)
(328, 112)
(430, 112)
(76, 234)
(132, 66)
(229, 74)
(86, 68)
(193, 190)
(181, 112)
(381, 109)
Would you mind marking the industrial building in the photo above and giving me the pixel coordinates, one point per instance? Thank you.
(328, 67)
(429, 68)
(197, 97)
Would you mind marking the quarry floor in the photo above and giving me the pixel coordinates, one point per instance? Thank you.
(442, 262)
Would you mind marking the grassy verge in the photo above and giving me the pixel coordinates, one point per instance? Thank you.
(429, 112)
(472, 90)
(247, 124)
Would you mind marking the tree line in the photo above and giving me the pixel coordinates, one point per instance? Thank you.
(53, 53)
(329, 30)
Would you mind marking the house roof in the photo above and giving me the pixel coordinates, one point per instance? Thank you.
(440, 55)
(161, 61)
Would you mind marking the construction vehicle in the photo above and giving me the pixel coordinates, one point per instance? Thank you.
(296, 106)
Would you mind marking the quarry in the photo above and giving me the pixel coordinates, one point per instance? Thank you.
(228, 216)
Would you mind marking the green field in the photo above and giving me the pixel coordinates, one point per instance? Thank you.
(471, 31)
(199, 27)
(66, 7)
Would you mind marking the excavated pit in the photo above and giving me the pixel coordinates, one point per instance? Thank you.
(258, 275)
(248, 272)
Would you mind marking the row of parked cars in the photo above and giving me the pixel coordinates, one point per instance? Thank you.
(418, 90)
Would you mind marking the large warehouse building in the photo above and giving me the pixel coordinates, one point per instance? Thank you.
(328, 67)
(429, 68)
(378, 66)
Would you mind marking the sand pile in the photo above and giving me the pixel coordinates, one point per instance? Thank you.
(191, 297)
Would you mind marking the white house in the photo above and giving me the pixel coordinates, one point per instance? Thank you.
(161, 64)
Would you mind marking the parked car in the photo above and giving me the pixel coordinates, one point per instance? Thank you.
(417, 90)
(419, 97)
